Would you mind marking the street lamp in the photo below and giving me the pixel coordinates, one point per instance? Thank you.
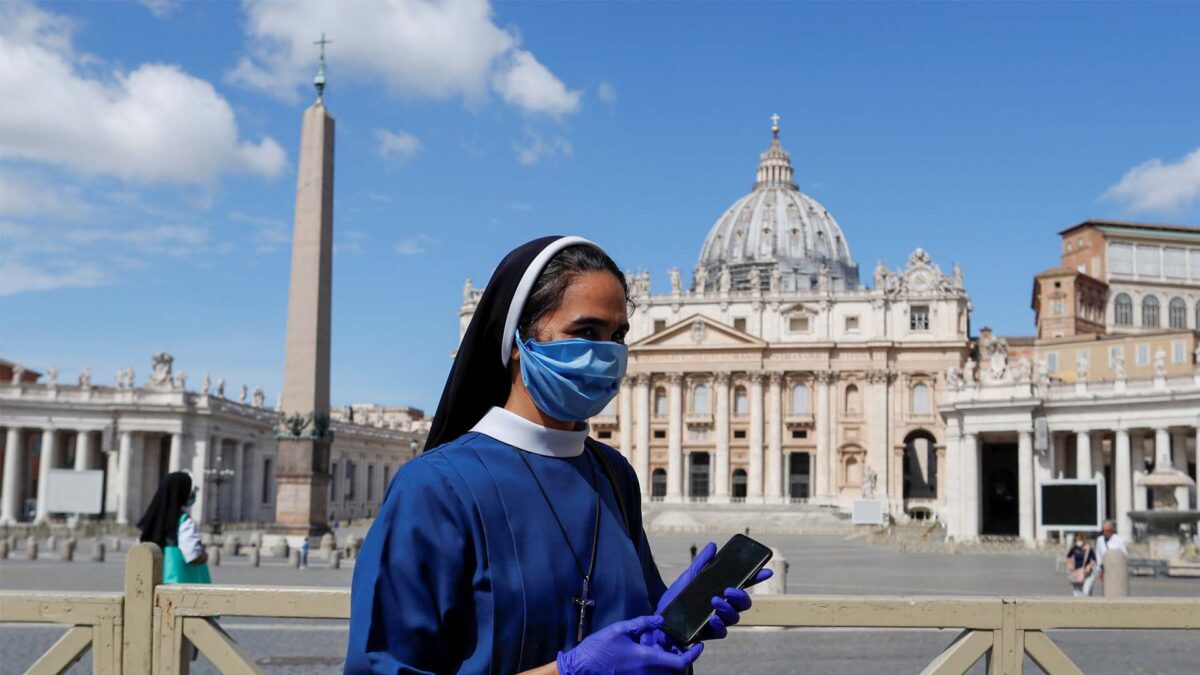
(217, 476)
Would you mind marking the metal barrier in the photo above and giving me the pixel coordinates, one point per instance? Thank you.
(150, 628)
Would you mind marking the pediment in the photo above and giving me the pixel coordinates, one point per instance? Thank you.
(797, 309)
(698, 332)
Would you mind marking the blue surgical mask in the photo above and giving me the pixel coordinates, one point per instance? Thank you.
(572, 380)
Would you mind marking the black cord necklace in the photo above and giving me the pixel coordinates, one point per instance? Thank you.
(584, 603)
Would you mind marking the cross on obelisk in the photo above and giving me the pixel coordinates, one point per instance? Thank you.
(775, 124)
(303, 431)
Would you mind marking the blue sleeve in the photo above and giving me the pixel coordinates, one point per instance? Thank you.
(633, 500)
(410, 600)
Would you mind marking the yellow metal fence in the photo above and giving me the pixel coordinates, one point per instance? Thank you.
(150, 628)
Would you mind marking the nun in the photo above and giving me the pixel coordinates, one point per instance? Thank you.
(166, 522)
(514, 543)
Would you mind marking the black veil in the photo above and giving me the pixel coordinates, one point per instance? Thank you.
(160, 523)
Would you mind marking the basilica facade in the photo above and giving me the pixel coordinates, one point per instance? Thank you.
(777, 376)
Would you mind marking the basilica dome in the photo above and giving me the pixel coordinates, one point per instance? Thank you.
(777, 234)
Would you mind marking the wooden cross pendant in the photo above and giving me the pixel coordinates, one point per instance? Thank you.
(584, 604)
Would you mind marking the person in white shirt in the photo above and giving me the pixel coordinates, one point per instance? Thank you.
(1108, 540)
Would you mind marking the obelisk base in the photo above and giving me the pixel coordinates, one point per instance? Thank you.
(302, 488)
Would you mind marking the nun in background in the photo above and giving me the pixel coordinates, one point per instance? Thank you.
(167, 523)
(515, 543)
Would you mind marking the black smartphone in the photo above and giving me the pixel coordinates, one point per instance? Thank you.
(733, 566)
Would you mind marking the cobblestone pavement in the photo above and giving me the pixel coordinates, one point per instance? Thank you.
(818, 565)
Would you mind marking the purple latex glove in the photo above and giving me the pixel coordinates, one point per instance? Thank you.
(616, 649)
(729, 605)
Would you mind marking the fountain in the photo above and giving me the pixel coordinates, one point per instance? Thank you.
(1167, 529)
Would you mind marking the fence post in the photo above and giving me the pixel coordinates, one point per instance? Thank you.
(143, 572)
(1116, 574)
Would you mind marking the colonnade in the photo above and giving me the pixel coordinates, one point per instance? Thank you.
(1130, 462)
(765, 421)
(18, 471)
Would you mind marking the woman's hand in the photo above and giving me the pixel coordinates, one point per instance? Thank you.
(618, 648)
(729, 605)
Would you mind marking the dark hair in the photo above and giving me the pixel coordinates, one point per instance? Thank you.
(556, 277)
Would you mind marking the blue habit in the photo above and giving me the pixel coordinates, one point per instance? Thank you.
(465, 569)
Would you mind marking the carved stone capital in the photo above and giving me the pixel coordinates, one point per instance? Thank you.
(824, 376)
(674, 378)
(641, 379)
(721, 377)
(754, 377)
(775, 377)
(879, 376)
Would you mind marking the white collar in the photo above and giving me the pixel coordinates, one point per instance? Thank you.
(509, 427)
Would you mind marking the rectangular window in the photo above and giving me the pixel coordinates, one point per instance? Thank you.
(1194, 262)
(268, 479)
(1147, 260)
(370, 482)
(333, 481)
(1112, 354)
(1174, 263)
(798, 324)
(1052, 362)
(604, 435)
(387, 477)
(1057, 306)
(918, 318)
(660, 325)
(799, 433)
(1178, 352)
(739, 324)
(1143, 355)
(1120, 258)
(852, 324)
(659, 433)
(740, 433)
(349, 480)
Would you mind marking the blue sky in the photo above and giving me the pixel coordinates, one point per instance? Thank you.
(148, 150)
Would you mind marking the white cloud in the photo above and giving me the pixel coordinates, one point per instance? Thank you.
(17, 275)
(529, 85)
(415, 245)
(270, 234)
(607, 93)
(447, 49)
(1158, 187)
(350, 242)
(535, 147)
(399, 145)
(159, 8)
(154, 123)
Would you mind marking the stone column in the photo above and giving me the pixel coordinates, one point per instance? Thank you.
(124, 477)
(1179, 461)
(47, 459)
(625, 419)
(823, 424)
(1025, 503)
(970, 486)
(721, 472)
(1098, 456)
(951, 481)
(1083, 454)
(14, 460)
(1122, 464)
(1138, 459)
(83, 451)
(206, 448)
(175, 459)
(674, 437)
(773, 491)
(1197, 476)
(754, 478)
(239, 481)
(890, 473)
(642, 386)
(1043, 470)
(1162, 450)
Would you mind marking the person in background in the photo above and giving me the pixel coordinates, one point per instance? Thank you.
(1081, 566)
(1109, 540)
(167, 523)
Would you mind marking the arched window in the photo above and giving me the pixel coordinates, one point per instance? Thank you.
(658, 484)
(700, 399)
(660, 402)
(741, 402)
(799, 399)
(853, 400)
(1177, 313)
(1150, 311)
(1123, 310)
(739, 484)
(920, 399)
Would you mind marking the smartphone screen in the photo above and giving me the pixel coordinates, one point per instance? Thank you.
(732, 567)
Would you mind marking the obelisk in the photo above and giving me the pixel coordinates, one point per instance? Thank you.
(303, 432)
